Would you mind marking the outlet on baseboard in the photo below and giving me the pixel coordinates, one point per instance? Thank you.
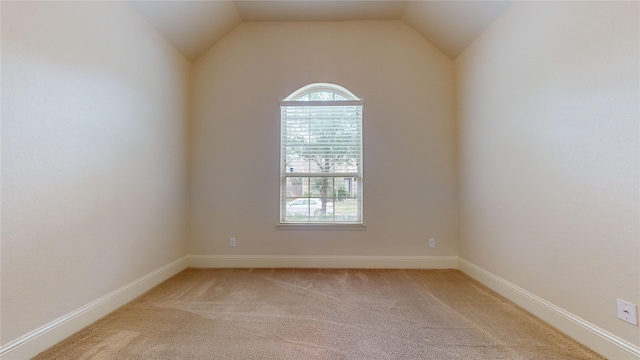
(628, 312)
(232, 242)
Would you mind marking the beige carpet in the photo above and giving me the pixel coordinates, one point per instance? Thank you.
(319, 314)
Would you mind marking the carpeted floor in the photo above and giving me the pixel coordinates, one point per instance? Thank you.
(319, 314)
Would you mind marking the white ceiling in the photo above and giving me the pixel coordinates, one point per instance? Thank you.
(193, 27)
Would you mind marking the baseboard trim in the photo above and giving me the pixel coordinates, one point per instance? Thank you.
(38, 340)
(600, 340)
(305, 261)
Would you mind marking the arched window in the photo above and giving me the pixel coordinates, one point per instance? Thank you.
(321, 156)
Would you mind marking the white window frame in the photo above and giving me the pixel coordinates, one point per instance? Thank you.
(293, 100)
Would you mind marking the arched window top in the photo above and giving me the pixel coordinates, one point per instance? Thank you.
(321, 92)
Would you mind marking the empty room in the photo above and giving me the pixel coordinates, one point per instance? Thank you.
(320, 179)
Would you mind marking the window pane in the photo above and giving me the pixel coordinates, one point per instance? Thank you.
(297, 186)
(322, 192)
(322, 187)
(321, 96)
(297, 199)
(347, 204)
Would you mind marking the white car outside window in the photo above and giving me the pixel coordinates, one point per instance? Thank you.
(308, 206)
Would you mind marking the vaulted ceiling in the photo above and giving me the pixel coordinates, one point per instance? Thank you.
(193, 27)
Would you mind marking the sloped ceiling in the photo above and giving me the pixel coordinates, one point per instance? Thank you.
(451, 26)
(193, 27)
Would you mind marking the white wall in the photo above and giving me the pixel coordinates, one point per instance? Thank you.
(409, 144)
(94, 109)
(548, 130)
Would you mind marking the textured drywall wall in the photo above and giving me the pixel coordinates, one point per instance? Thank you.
(94, 110)
(409, 147)
(549, 151)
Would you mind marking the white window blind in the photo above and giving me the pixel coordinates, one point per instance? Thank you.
(321, 163)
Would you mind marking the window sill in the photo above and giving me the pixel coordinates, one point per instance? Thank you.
(317, 226)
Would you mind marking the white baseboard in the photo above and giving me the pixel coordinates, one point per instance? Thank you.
(342, 262)
(38, 340)
(601, 341)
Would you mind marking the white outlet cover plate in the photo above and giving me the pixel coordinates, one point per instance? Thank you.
(628, 312)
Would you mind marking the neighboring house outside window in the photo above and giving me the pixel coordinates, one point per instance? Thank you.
(321, 156)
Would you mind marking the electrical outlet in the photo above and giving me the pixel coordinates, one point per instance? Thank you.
(432, 243)
(232, 242)
(628, 312)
